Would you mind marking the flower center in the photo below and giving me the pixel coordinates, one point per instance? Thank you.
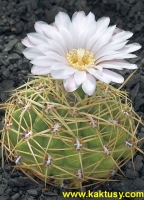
(80, 59)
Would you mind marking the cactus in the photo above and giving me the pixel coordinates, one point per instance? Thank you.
(58, 136)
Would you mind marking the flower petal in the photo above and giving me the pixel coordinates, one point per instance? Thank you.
(122, 36)
(99, 75)
(66, 37)
(93, 40)
(130, 48)
(57, 37)
(70, 84)
(52, 46)
(82, 37)
(104, 54)
(62, 73)
(79, 17)
(117, 78)
(87, 31)
(43, 61)
(58, 74)
(117, 64)
(38, 27)
(55, 47)
(117, 30)
(79, 77)
(31, 53)
(115, 56)
(102, 23)
(89, 85)
(38, 70)
(70, 70)
(54, 56)
(78, 23)
(47, 29)
(89, 34)
(36, 38)
(104, 39)
(112, 46)
(90, 19)
(44, 47)
(27, 42)
(92, 71)
(58, 65)
(62, 19)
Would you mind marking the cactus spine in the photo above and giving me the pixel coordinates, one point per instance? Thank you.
(57, 135)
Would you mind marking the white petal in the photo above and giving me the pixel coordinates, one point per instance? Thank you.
(44, 47)
(55, 56)
(58, 66)
(93, 71)
(82, 38)
(31, 53)
(51, 46)
(110, 57)
(62, 73)
(27, 42)
(90, 19)
(104, 39)
(36, 38)
(111, 66)
(78, 23)
(89, 34)
(63, 20)
(131, 48)
(115, 56)
(89, 85)
(99, 75)
(37, 70)
(128, 56)
(117, 78)
(70, 70)
(117, 65)
(38, 27)
(93, 39)
(104, 54)
(98, 67)
(134, 47)
(55, 47)
(113, 46)
(58, 74)
(43, 61)
(79, 77)
(122, 36)
(56, 36)
(102, 23)
(79, 17)
(87, 30)
(74, 30)
(66, 37)
(47, 29)
(70, 84)
(117, 30)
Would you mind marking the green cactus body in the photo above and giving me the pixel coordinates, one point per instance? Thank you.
(58, 135)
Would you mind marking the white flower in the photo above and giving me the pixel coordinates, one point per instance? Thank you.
(79, 51)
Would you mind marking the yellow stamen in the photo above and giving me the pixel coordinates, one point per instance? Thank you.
(80, 59)
(80, 55)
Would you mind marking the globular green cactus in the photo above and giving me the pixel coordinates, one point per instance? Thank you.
(56, 135)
